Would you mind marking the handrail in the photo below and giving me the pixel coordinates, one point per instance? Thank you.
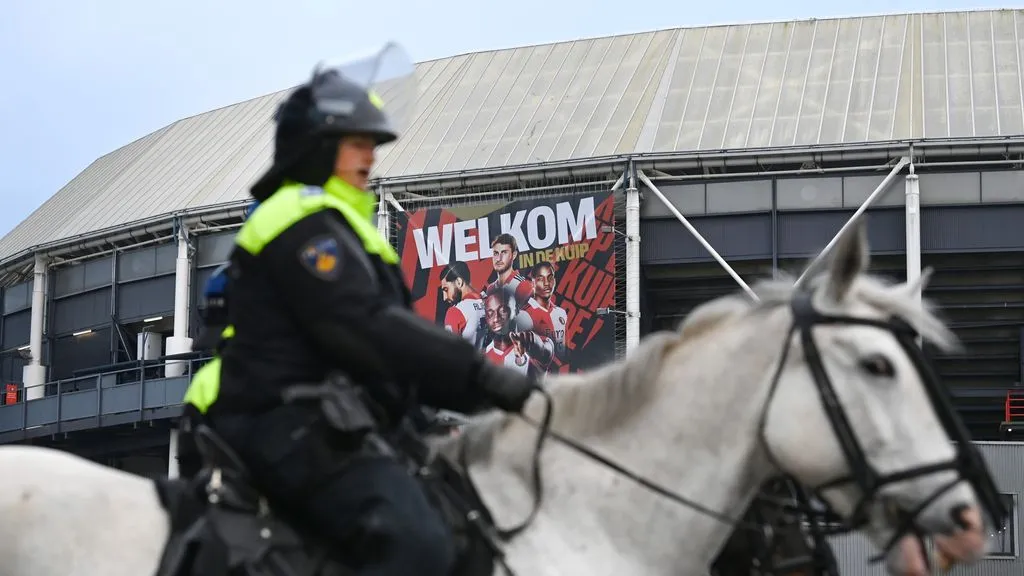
(136, 371)
(1014, 407)
(198, 355)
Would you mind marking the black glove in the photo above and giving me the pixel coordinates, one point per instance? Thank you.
(506, 388)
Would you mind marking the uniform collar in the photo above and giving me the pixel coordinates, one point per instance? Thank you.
(364, 202)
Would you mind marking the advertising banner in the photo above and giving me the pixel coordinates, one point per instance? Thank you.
(522, 280)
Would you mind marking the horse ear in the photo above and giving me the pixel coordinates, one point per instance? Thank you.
(850, 258)
(920, 283)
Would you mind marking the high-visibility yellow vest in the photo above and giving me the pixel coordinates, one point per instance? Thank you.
(291, 203)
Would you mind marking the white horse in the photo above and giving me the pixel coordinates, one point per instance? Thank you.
(684, 410)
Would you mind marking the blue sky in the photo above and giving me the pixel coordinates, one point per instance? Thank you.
(83, 78)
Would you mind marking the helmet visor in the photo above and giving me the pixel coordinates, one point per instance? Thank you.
(387, 73)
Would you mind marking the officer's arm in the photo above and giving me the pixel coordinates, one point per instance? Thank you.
(333, 289)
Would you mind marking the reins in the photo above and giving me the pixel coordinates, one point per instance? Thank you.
(862, 473)
(537, 485)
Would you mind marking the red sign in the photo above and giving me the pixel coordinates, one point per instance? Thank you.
(11, 396)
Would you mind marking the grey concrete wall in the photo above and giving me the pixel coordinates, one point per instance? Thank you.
(1006, 460)
(796, 217)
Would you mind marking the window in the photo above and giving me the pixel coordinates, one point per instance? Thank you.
(1003, 543)
(214, 249)
(17, 297)
(147, 262)
(82, 276)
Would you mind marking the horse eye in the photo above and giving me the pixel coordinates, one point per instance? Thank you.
(878, 365)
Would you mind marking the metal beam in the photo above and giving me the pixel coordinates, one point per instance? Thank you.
(618, 182)
(996, 145)
(107, 237)
(390, 198)
(882, 187)
(693, 231)
(632, 262)
(977, 392)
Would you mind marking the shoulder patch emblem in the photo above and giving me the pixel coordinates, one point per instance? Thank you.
(311, 191)
(321, 257)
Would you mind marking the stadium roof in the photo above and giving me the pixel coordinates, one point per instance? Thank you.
(781, 84)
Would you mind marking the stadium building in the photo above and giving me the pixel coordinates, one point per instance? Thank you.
(709, 156)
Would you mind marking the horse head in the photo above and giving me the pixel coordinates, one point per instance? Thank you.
(855, 413)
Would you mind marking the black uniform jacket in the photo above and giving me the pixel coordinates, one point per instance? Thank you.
(298, 319)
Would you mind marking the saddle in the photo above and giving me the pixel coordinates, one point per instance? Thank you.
(220, 524)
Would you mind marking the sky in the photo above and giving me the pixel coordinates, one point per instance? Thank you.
(79, 79)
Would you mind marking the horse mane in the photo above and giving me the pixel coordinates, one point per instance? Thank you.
(582, 402)
(607, 396)
(603, 397)
(888, 298)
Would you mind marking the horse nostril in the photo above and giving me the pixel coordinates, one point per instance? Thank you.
(958, 515)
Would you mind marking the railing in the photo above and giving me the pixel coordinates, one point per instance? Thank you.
(121, 394)
(134, 371)
(137, 391)
(1014, 406)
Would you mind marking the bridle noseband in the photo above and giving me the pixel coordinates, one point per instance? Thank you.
(968, 462)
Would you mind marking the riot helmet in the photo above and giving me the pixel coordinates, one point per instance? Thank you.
(341, 100)
(342, 107)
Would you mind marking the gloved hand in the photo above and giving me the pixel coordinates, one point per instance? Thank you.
(506, 388)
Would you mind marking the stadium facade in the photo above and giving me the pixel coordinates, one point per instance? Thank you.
(714, 155)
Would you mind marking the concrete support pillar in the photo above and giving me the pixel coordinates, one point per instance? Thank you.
(172, 455)
(632, 265)
(384, 216)
(913, 227)
(34, 374)
(179, 342)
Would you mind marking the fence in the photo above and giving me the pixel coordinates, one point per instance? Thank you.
(113, 395)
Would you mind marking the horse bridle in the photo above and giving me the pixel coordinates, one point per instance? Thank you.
(967, 463)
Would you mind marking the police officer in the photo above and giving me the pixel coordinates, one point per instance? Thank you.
(314, 290)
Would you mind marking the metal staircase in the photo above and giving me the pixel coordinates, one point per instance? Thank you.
(1013, 415)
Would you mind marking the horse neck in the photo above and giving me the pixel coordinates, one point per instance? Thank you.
(698, 434)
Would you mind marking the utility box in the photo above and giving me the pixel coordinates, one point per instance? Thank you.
(150, 346)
